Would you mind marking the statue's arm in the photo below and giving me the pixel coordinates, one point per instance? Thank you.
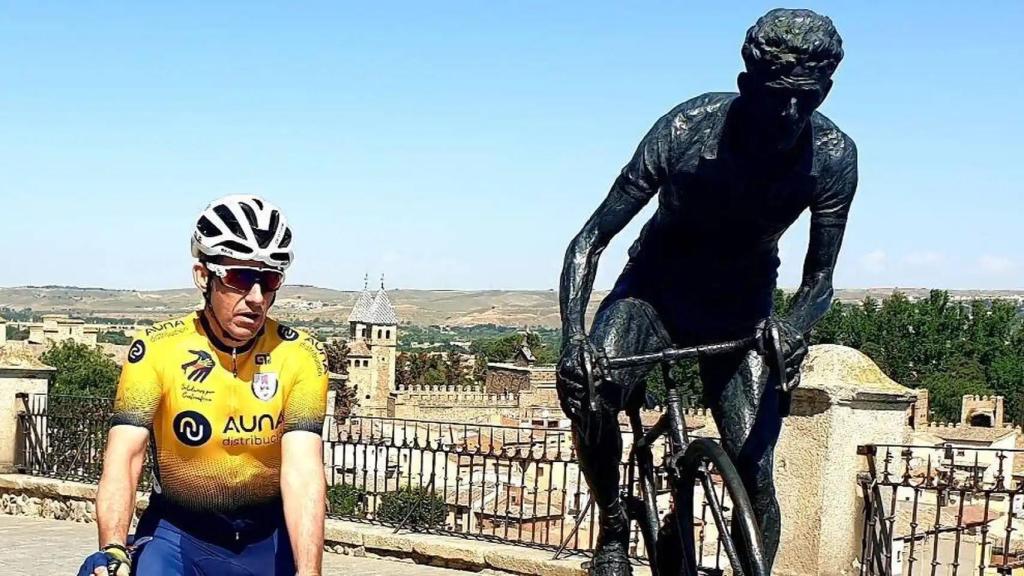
(580, 265)
(635, 186)
(828, 225)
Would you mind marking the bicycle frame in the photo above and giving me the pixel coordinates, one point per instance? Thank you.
(671, 423)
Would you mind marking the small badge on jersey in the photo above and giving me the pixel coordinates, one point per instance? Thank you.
(264, 385)
(137, 351)
(262, 359)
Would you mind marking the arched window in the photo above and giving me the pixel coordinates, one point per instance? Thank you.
(387, 334)
(378, 333)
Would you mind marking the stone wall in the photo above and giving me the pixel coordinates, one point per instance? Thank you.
(507, 381)
(450, 404)
(982, 411)
(843, 401)
(14, 381)
(22, 495)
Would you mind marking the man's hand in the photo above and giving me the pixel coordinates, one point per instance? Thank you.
(108, 562)
(574, 371)
(788, 340)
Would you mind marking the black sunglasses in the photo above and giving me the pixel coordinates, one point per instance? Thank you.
(245, 277)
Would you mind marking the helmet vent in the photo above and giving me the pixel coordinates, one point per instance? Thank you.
(236, 246)
(250, 215)
(207, 228)
(229, 219)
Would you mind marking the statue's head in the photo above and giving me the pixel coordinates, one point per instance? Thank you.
(790, 56)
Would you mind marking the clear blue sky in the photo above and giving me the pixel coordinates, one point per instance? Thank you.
(463, 144)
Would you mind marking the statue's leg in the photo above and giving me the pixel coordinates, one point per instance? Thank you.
(742, 395)
(624, 327)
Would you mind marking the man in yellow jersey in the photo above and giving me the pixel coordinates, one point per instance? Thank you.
(230, 404)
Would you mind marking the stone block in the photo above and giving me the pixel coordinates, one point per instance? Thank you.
(844, 400)
(349, 534)
(465, 554)
(376, 538)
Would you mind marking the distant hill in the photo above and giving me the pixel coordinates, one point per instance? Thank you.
(420, 307)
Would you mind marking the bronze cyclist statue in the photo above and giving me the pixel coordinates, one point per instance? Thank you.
(731, 172)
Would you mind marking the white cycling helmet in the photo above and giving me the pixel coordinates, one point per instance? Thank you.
(243, 227)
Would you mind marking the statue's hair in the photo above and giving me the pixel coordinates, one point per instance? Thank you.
(785, 41)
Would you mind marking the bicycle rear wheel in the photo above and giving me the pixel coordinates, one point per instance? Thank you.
(741, 540)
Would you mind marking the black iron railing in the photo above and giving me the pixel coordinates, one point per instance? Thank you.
(518, 484)
(944, 509)
(63, 436)
(514, 484)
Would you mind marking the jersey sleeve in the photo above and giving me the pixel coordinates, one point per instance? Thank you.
(306, 403)
(139, 389)
(642, 176)
(831, 206)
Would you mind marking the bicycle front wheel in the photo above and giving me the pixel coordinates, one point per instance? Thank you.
(741, 539)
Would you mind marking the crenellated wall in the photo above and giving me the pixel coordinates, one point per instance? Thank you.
(454, 404)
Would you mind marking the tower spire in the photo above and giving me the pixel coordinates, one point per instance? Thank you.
(382, 281)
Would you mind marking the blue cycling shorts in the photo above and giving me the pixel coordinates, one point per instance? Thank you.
(172, 551)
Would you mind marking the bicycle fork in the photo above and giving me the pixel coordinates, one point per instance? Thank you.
(643, 510)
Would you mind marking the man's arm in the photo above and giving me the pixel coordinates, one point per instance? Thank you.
(828, 225)
(138, 395)
(303, 489)
(115, 497)
(303, 482)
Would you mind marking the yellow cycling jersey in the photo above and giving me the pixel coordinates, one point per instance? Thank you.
(215, 414)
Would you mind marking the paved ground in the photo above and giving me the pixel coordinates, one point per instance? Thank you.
(36, 547)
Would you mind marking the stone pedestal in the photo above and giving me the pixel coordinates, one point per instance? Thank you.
(843, 401)
(15, 380)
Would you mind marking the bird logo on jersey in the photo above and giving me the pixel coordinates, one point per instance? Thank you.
(200, 367)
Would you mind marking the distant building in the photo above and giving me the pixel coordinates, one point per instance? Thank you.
(982, 411)
(60, 327)
(373, 341)
(520, 374)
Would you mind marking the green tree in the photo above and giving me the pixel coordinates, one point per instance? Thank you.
(950, 348)
(947, 387)
(82, 370)
(403, 372)
(114, 338)
(453, 370)
(337, 356)
(500, 349)
(1006, 376)
(687, 374)
(419, 365)
(479, 368)
(23, 315)
(14, 333)
(345, 500)
(345, 398)
(417, 507)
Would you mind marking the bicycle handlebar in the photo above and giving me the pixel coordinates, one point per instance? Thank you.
(670, 354)
(777, 362)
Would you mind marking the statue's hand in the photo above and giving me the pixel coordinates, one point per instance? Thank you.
(572, 375)
(790, 341)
